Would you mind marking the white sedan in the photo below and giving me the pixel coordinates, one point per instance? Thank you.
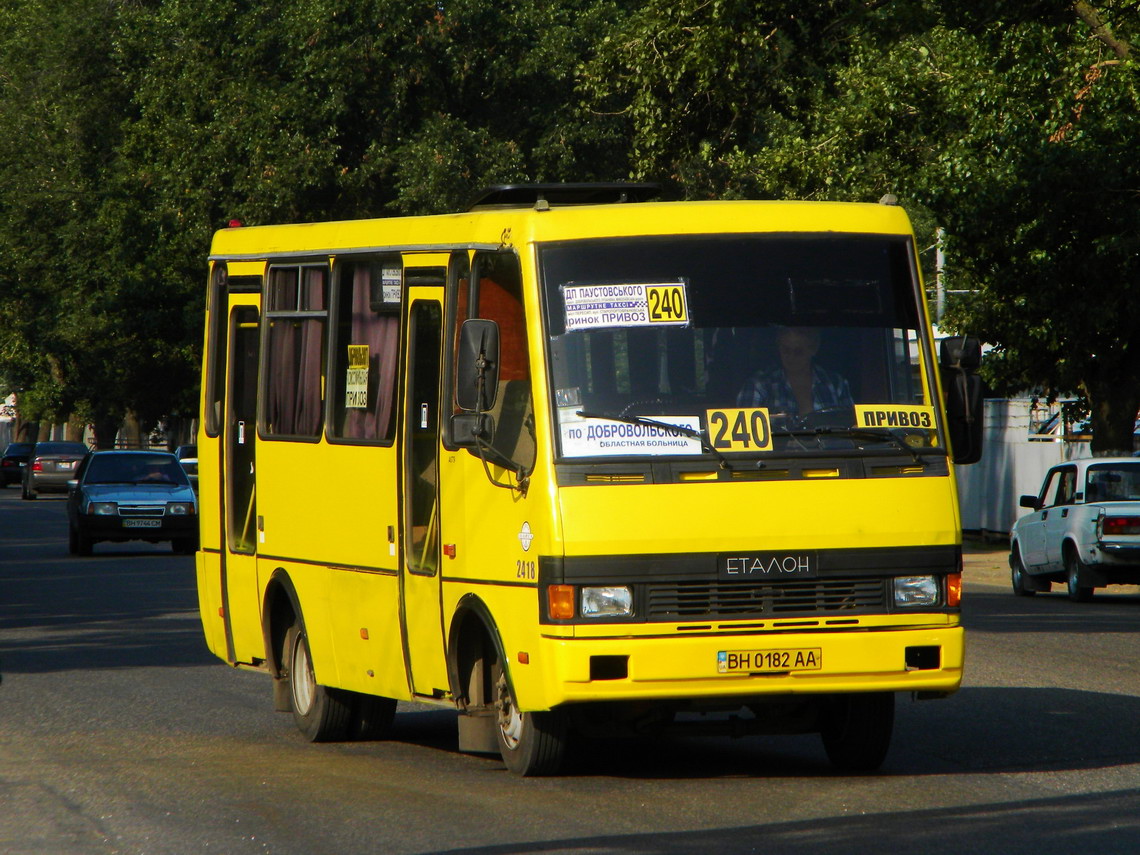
(1084, 529)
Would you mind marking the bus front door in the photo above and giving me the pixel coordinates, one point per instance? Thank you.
(239, 560)
(421, 609)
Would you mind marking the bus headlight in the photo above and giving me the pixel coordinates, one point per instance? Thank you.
(610, 601)
(102, 509)
(179, 509)
(915, 591)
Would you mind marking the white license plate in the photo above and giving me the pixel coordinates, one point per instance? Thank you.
(142, 523)
(769, 661)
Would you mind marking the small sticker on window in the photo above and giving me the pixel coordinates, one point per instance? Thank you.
(629, 304)
(356, 381)
(602, 437)
(391, 284)
(571, 397)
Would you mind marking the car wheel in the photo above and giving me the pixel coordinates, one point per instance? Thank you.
(1017, 575)
(184, 545)
(857, 730)
(320, 713)
(78, 543)
(1074, 568)
(530, 743)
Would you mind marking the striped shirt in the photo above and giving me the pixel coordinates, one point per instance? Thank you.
(769, 388)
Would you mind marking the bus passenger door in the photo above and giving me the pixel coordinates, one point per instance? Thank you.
(421, 608)
(239, 495)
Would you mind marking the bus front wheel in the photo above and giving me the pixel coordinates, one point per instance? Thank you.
(321, 713)
(531, 743)
(857, 730)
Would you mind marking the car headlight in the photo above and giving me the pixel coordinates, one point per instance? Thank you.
(102, 509)
(914, 591)
(609, 601)
(179, 509)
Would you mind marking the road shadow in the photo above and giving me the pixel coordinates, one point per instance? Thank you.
(128, 606)
(1104, 823)
(1051, 613)
(987, 730)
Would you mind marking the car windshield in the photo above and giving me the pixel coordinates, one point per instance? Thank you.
(134, 469)
(17, 448)
(743, 343)
(1113, 482)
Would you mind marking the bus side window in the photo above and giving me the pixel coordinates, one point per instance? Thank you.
(216, 350)
(498, 297)
(294, 358)
(366, 350)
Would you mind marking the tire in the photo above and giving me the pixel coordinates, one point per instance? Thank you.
(78, 543)
(1017, 575)
(857, 731)
(184, 545)
(372, 717)
(320, 713)
(530, 743)
(1073, 568)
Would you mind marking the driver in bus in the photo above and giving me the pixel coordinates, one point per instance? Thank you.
(797, 386)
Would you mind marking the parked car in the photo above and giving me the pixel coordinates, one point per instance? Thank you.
(1084, 529)
(13, 462)
(50, 466)
(188, 456)
(131, 495)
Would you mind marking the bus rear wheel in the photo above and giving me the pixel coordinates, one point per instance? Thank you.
(857, 730)
(320, 713)
(531, 743)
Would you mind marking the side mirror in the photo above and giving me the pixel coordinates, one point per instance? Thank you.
(468, 428)
(1028, 502)
(961, 351)
(477, 365)
(960, 357)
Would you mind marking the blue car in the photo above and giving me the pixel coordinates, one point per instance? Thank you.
(131, 495)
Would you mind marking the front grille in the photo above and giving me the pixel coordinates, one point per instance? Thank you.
(142, 510)
(699, 600)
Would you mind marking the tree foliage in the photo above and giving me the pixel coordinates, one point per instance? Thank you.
(1012, 125)
(134, 129)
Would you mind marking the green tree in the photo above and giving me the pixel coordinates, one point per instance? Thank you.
(136, 129)
(1012, 125)
(1039, 190)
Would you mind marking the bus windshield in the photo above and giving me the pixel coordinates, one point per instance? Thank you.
(736, 344)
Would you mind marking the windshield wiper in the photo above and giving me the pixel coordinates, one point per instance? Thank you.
(681, 429)
(856, 433)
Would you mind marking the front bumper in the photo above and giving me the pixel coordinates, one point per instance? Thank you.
(867, 660)
(118, 528)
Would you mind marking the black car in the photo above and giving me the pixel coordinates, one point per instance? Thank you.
(13, 462)
(131, 495)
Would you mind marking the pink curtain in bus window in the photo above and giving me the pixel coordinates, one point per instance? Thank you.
(381, 333)
(307, 420)
(282, 383)
(308, 413)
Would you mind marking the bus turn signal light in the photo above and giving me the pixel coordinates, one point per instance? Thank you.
(954, 590)
(560, 602)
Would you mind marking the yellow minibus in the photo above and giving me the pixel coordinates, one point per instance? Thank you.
(576, 461)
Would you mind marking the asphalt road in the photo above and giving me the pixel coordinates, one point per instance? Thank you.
(119, 733)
